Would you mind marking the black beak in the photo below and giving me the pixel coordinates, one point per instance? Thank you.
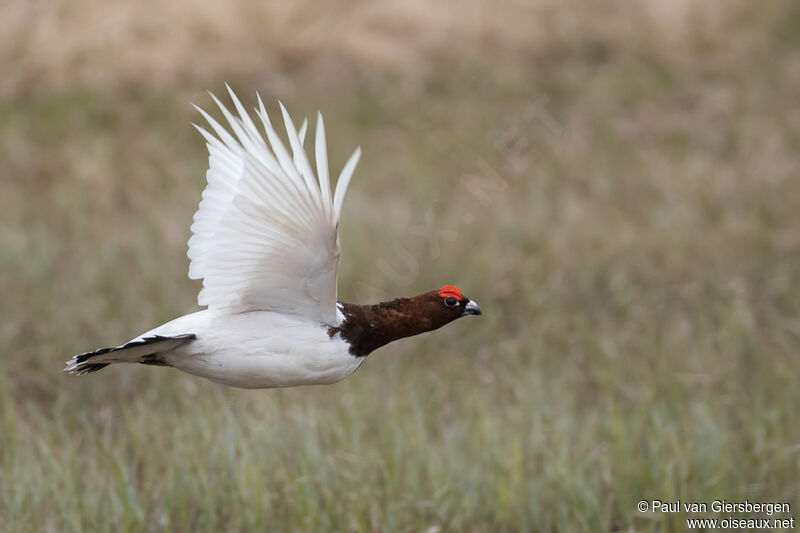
(471, 309)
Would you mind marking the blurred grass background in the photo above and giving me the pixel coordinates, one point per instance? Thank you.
(616, 185)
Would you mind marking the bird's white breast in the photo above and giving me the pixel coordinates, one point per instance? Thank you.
(259, 349)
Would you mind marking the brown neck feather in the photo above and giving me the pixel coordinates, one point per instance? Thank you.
(368, 327)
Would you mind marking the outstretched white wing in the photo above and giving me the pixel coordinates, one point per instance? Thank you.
(265, 234)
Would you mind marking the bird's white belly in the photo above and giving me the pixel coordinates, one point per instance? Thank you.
(259, 350)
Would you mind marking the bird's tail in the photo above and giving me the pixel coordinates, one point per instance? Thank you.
(144, 350)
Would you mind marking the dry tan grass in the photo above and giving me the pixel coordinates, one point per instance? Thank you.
(47, 45)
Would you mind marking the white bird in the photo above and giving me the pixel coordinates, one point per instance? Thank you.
(265, 243)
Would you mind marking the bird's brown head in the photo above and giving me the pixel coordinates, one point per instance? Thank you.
(445, 305)
(368, 327)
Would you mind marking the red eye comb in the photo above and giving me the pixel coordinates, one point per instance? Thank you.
(449, 290)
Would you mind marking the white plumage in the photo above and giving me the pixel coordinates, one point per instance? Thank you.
(259, 349)
(265, 235)
(265, 243)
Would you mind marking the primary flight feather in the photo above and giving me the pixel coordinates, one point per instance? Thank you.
(265, 243)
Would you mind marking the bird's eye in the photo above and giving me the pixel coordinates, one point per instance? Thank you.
(450, 301)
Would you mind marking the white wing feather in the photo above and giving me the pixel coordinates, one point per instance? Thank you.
(265, 234)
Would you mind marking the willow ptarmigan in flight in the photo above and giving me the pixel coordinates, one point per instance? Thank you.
(265, 243)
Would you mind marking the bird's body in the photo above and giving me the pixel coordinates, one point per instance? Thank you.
(258, 349)
(265, 242)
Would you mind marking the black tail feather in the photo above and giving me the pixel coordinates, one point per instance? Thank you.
(81, 363)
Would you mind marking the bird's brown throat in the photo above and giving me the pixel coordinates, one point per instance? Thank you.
(368, 327)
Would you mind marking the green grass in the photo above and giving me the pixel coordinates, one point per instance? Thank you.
(638, 270)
